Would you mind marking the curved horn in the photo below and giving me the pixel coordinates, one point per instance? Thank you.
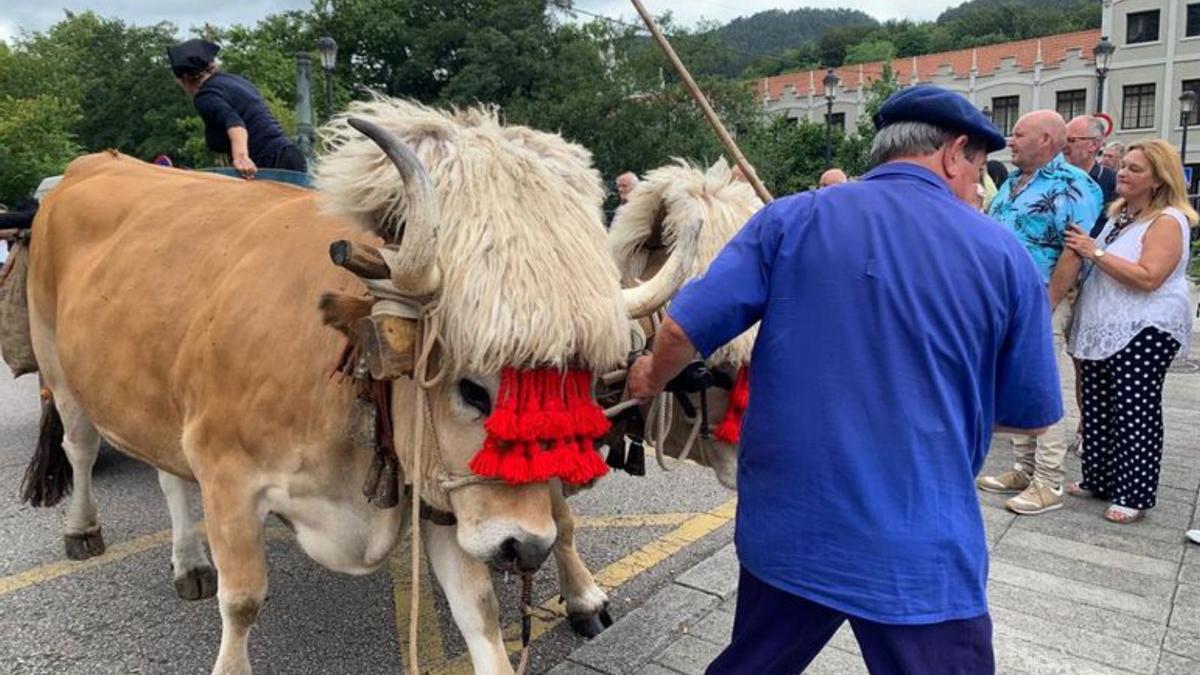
(647, 298)
(413, 260)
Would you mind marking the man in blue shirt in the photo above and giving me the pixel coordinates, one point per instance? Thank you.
(1039, 203)
(898, 327)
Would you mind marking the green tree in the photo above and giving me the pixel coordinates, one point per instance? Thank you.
(35, 142)
(866, 52)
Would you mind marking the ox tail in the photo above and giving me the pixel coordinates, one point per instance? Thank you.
(48, 478)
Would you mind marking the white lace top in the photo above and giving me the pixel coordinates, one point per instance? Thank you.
(1109, 314)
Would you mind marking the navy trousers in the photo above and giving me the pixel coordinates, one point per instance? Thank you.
(777, 633)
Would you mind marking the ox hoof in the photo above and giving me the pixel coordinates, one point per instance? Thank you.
(84, 545)
(197, 583)
(591, 625)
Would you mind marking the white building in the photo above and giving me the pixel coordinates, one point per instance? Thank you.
(1156, 56)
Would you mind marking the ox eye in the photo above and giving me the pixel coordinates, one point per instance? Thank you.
(475, 396)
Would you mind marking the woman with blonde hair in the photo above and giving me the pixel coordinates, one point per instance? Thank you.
(1131, 319)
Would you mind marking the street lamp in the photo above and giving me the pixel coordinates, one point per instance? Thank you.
(1103, 52)
(831, 83)
(987, 112)
(328, 49)
(1187, 103)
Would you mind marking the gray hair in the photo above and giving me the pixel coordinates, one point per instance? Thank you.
(1097, 127)
(1118, 145)
(915, 139)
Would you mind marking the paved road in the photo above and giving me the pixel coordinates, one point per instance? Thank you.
(119, 613)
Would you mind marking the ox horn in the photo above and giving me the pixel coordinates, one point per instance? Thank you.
(649, 297)
(413, 263)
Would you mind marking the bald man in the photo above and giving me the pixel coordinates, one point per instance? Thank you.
(625, 184)
(1045, 196)
(832, 177)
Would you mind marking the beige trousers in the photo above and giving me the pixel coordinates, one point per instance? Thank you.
(1043, 456)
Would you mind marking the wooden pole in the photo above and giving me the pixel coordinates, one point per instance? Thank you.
(701, 100)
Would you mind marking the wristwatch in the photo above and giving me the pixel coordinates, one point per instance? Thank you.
(1098, 255)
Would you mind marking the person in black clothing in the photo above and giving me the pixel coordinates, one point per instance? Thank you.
(236, 119)
(1085, 139)
(997, 172)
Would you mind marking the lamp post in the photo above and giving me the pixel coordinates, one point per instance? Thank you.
(1187, 103)
(987, 112)
(831, 83)
(304, 125)
(327, 47)
(1103, 52)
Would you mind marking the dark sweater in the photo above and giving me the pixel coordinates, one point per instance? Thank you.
(226, 101)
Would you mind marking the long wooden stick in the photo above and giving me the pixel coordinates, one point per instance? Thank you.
(701, 100)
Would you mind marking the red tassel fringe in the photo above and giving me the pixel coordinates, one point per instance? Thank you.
(730, 428)
(544, 425)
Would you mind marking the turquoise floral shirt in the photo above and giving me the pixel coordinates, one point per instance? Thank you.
(1058, 194)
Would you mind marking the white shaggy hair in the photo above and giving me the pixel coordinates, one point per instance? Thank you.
(675, 196)
(526, 277)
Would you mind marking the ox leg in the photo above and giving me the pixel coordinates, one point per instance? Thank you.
(235, 533)
(467, 584)
(81, 442)
(587, 605)
(195, 578)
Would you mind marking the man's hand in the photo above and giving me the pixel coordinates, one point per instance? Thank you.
(640, 381)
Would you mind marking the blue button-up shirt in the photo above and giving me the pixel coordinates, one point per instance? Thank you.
(898, 326)
(1057, 195)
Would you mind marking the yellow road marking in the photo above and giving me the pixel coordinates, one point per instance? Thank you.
(632, 520)
(429, 640)
(116, 553)
(62, 568)
(549, 614)
(690, 527)
(54, 570)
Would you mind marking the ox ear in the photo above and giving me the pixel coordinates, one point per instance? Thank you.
(341, 311)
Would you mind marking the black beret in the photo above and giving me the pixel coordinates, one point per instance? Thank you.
(942, 108)
(191, 57)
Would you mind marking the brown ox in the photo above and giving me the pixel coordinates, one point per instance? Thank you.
(175, 313)
(644, 233)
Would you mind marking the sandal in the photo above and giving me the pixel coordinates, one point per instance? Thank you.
(1123, 515)
(1076, 489)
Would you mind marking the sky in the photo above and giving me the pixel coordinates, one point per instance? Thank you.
(38, 15)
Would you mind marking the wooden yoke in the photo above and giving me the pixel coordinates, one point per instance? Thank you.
(387, 338)
(387, 343)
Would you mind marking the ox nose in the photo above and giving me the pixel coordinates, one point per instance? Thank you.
(524, 555)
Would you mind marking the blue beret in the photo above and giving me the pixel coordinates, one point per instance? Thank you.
(939, 107)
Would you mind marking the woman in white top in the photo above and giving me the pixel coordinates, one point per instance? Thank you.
(1130, 320)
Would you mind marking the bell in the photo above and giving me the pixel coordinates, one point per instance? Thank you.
(360, 427)
(616, 453)
(635, 459)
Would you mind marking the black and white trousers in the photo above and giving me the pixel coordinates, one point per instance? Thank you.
(1121, 407)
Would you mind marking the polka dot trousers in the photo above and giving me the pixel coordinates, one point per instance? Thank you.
(1121, 405)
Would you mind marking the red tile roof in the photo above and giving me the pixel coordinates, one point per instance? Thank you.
(1023, 54)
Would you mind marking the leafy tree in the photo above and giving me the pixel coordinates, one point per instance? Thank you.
(835, 43)
(35, 142)
(875, 50)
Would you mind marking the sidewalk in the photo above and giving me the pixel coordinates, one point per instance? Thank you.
(1069, 592)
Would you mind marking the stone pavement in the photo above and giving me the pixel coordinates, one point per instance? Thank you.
(1069, 592)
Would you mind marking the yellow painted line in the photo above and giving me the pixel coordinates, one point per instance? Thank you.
(54, 570)
(62, 568)
(429, 637)
(113, 554)
(632, 520)
(549, 614)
